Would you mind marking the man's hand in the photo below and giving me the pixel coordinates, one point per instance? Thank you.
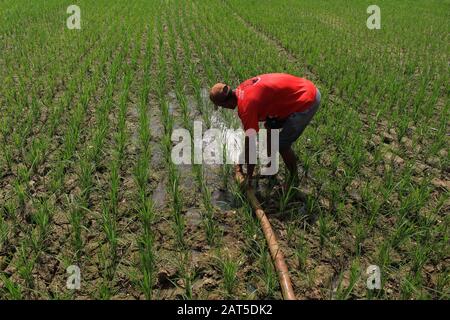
(248, 179)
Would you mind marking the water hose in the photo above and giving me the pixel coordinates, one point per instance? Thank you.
(275, 251)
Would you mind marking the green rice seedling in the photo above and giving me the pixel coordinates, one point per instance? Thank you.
(10, 290)
(121, 135)
(35, 155)
(269, 276)
(404, 230)
(57, 177)
(290, 231)
(377, 155)
(212, 231)
(440, 141)
(42, 219)
(147, 263)
(114, 188)
(187, 274)
(23, 174)
(206, 193)
(25, 265)
(360, 233)
(228, 267)
(144, 132)
(8, 156)
(402, 127)
(110, 230)
(21, 194)
(250, 224)
(287, 196)
(211, 228)
(306, 161)
(324, 229)
(371, 204)
(75, 219)
(104, 291)
(167, 147)
(251, 229)
(141, 171)
(236, 192)
(409, 287)
(356, 153)
(85, 178)
(414, 199)
(98, 140)
(442, 286)
(18, 141)
(146, 211)
(301, 252)
(71, 138)
(311, 204)
(340, 212)
(198, 175)
(206, 112)
(355, 274)
(167, 118)
(4, 130)
(105, 288)
(335, 162)
(10, 211)
(420, 256)
(389, 185)
(4, 230)
(336, 191)
(384, 255)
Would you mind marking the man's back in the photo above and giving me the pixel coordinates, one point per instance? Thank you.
(274, 95)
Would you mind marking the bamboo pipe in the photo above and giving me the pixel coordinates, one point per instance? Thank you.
(275, 251)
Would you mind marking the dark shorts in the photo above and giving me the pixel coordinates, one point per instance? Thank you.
(294, 125)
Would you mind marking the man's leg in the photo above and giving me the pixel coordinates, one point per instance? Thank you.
(290, 159)
(292, 130)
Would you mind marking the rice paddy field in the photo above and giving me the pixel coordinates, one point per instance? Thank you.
(86, 177)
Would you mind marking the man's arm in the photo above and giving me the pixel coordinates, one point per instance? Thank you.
(249, 122)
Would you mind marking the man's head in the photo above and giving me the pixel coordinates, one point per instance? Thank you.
(222, 95)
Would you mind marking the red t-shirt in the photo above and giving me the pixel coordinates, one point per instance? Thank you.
(277, 95)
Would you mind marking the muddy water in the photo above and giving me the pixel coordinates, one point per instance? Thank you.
(223, 199)
(160, 195)
(193, 217)
(231, 141)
